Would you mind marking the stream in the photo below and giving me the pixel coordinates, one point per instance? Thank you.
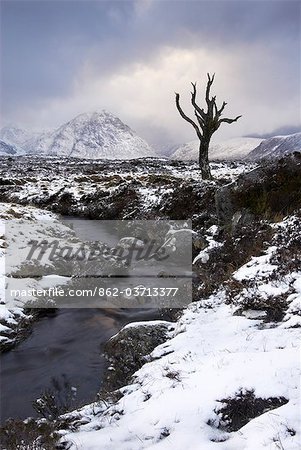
(69, 342)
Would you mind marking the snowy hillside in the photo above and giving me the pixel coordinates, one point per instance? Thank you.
(167, 149)
(16, 136)
(277, 146)
(9, 149)
(91, 135)
(228, 376)
(234, 148)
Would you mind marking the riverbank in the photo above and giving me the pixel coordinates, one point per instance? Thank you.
(227, 372)
(228, 376)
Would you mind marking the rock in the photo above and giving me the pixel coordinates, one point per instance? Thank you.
(131, 242)
(127, 351)
(198, 242)
(224, 206)
(178, 244)
(242, 218)
(270, 190)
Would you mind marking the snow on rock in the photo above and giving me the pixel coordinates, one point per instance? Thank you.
(270, 284)
(293, 314)
(258, 266)
(203, 255)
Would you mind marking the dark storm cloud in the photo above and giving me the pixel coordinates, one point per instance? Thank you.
(196, 23)
(47, 44)
(226, 21)
(43, 44)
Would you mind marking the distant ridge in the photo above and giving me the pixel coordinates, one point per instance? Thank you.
(235, 148)
(277, 146)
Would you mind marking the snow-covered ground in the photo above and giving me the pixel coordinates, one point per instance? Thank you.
(47, 179)
(228, 377)
(216, 356)
(139, 189)
(21, 221)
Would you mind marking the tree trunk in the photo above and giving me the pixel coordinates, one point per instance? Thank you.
(204, 160)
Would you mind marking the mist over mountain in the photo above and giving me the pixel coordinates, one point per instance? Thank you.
(101, 135)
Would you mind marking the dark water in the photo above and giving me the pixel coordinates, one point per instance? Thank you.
(69, 342)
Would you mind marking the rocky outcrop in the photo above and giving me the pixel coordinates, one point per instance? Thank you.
(270, 190)
(129, 349)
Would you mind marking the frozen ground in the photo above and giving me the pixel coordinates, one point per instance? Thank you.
(228, 378)
(201, 389)
(39, 180)
(21, 224)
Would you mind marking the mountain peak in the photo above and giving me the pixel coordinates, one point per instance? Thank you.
(95, 114)
(94, 135)
(97, 117)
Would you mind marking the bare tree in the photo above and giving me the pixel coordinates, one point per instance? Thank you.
(207, 123)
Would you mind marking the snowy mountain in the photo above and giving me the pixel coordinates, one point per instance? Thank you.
(166, 149)
(235, 148)
(16, 136)
(9, 149)
(91, 135)
(277, 146)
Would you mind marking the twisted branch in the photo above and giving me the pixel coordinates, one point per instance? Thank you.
(183, 115)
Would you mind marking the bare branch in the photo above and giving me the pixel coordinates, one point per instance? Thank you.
(226, 120)
(222, 108)
(194, 104)
(183, 115)
(209, 84)
(218, 112)
(210, 79)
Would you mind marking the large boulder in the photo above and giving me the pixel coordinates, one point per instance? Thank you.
(127, 350)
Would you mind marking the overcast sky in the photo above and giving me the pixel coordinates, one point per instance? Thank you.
(62, 58)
